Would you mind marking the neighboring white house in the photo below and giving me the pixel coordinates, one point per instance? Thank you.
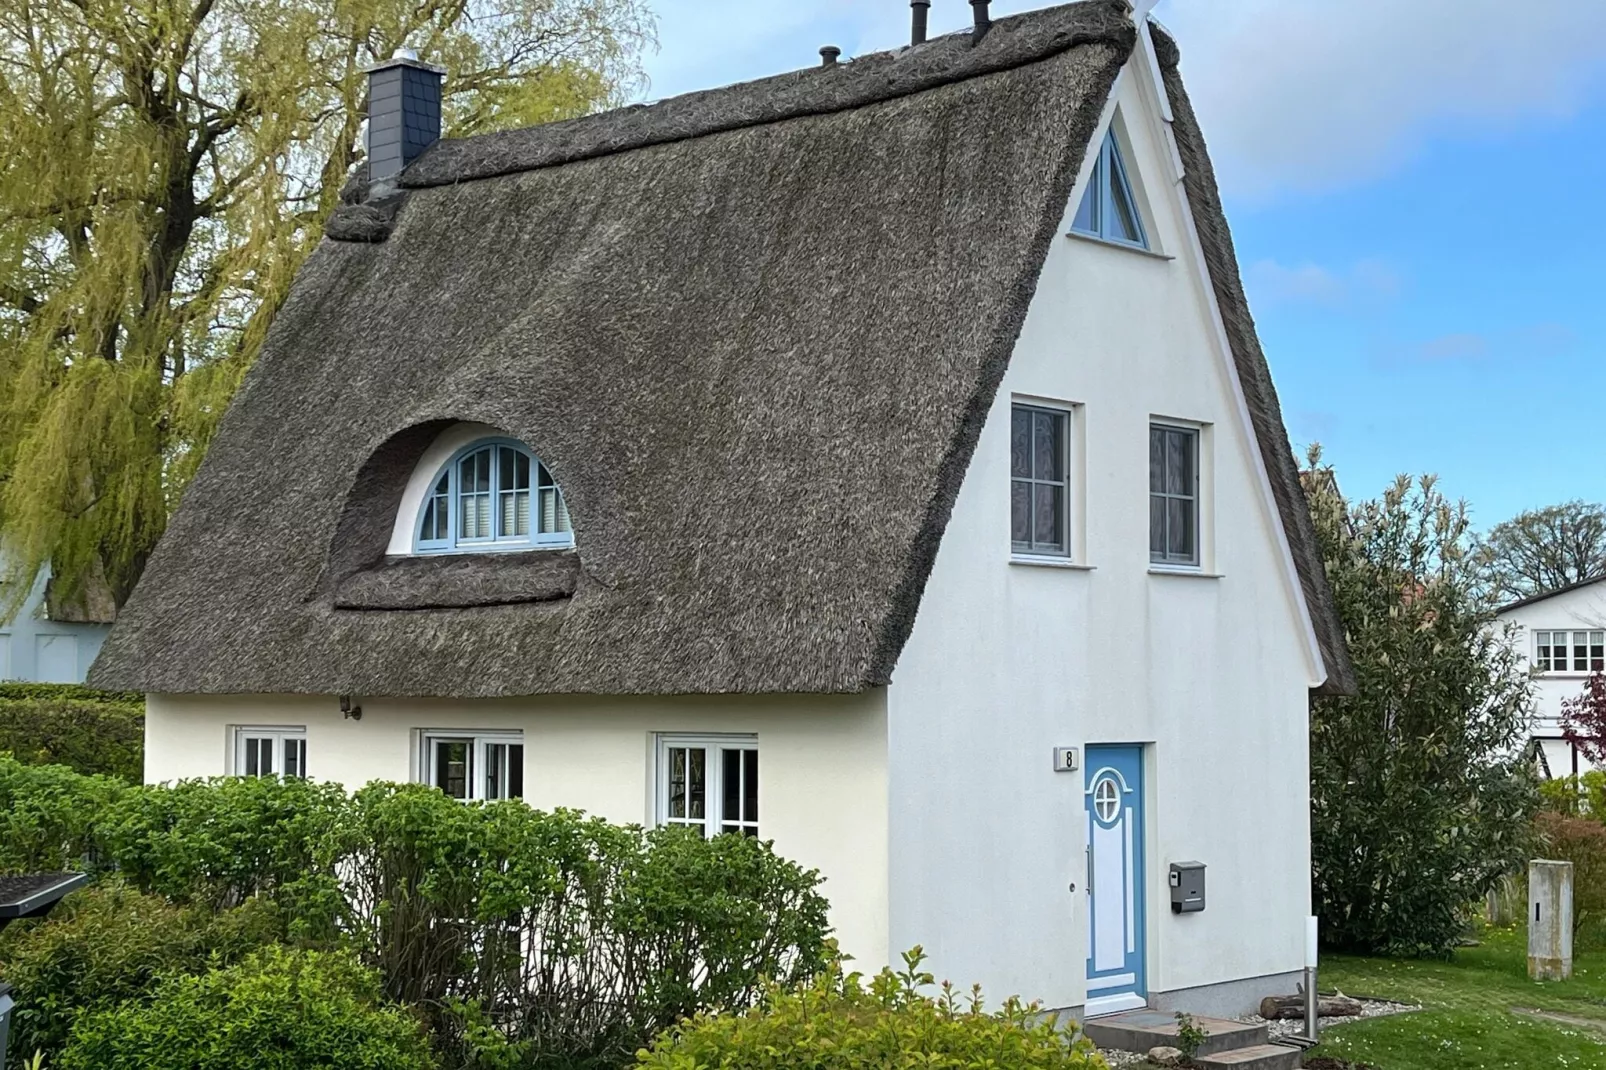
(925, 507)
(1562, 637)
(34, 648)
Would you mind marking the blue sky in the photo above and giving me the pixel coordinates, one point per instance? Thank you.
(1418, 193)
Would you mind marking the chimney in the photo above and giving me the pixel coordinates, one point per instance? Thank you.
(404, 115)
(984, 21)
(921, 10)
(829, 55)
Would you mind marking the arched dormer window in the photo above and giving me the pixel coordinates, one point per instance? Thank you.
(494, 494)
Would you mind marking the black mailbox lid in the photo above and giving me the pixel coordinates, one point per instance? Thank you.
(27, 896)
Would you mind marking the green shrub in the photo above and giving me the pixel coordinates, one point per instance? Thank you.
(107, 944)
(571, 939)
(835, 1023)
(220, 842)
(88, 737)
(278, 1010)
(50, 815)
(1583, 796)
(1581, 841)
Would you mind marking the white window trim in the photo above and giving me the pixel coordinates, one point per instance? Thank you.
(1204, 563)
(1075, 520)
(1571, 633)
(238, 734)
(479, 739)
(712, 820)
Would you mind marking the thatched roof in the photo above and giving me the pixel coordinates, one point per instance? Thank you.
(754, 334)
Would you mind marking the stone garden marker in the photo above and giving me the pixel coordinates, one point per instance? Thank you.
(1550, 920)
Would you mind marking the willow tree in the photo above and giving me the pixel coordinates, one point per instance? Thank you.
(165, 166)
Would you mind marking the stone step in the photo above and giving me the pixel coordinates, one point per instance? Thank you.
(1145, 1029)
(1258, 1057)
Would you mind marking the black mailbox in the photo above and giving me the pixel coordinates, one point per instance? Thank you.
(1187, 887)
(29, 896)
(5, 1020)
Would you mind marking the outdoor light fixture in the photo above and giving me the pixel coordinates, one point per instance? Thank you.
(350, 712)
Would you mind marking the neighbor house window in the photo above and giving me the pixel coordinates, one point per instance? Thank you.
(709, 783)
(1173, 495)
(276, 752)
(1571, 651)
(1109, 210)
(494, 495)
(1039, 491)
(474, 765)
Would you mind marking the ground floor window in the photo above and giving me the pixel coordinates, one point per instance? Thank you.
(278, 752)
(709, 783)
(474, 765)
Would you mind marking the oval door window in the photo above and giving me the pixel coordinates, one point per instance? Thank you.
(1106, 800)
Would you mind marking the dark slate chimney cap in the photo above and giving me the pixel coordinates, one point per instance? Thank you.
(829, 55)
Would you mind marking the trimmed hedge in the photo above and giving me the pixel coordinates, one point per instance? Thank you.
(837, 1023)
(71, 693)
(561, 937)
(88, 737)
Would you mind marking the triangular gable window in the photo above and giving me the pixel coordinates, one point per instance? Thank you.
(1108, 209)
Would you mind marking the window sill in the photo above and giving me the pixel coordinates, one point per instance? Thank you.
(1030, 561)
(1096, 240)
(1195, 573)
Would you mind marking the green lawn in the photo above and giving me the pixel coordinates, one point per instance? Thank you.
(1480, 1012)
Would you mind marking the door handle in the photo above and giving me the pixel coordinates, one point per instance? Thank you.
(1089, 869)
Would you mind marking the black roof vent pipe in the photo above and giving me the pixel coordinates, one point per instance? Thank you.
(984, 21)
(829, 55)
(921, 10)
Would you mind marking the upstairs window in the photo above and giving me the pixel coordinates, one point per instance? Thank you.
(1039, 503)
(1109, 211)
(1173, 495)
(1570, 651)
(494, 495)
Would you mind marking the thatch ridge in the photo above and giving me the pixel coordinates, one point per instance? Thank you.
(1011, 42)
(1260, 392)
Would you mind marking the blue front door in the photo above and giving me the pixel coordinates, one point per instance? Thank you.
(1116, 978)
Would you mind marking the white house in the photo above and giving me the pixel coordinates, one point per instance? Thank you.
(1562, 637)
(48, 640)
(925, 507)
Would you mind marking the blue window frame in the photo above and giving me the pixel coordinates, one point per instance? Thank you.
(1109, 211)
(493, 494)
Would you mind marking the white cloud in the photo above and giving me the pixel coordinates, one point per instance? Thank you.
(1295, 95)
(1367, 280)
(1308, 95)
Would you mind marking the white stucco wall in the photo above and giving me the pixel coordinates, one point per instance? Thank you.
(1583, 608)
(1008, 661)
(822, 765)
(36, 649)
